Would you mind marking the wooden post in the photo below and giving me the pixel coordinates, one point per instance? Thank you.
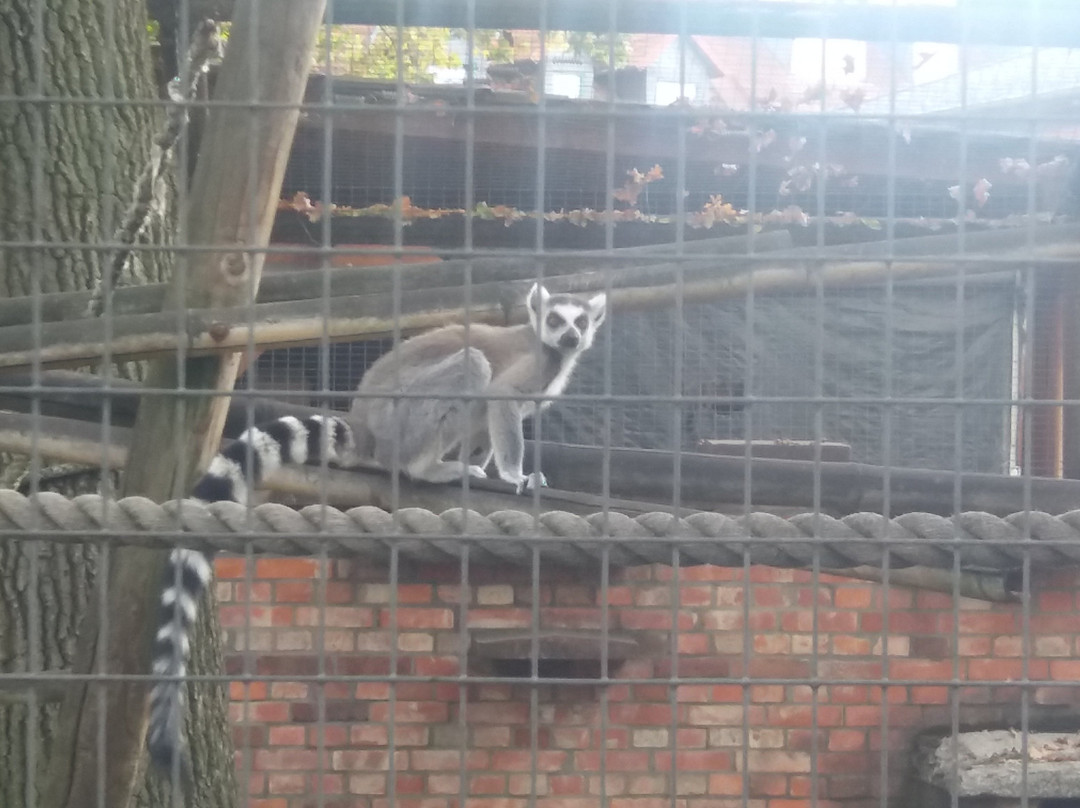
(234, 194)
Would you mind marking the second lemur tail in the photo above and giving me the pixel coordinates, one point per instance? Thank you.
(256, 453)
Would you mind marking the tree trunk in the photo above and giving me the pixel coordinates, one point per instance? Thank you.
(67, 170)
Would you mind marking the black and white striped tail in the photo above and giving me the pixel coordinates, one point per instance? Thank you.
(258, 452)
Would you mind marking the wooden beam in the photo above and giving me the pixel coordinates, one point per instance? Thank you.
(216, 330)
(234, 194)
(308, 284)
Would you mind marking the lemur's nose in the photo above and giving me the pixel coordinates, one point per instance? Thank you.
(569, 340)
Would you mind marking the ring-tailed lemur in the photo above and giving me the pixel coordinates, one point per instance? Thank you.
(502, 360)
(420, 432)
(259, 451)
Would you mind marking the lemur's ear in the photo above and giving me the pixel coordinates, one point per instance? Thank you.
(536, 297)
(598, 308)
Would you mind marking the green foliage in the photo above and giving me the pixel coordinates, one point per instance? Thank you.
(597, 47)
(373, 52)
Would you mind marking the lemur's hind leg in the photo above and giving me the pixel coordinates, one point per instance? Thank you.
(430, 426)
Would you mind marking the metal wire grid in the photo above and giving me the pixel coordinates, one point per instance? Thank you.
(337, 583)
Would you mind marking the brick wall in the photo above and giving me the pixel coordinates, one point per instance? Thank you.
(615, 748)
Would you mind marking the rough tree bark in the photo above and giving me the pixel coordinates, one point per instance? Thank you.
(66, 170)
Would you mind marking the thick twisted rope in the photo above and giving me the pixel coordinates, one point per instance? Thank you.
(979, 540)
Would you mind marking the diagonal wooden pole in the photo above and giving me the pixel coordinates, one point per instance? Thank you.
(234, 194)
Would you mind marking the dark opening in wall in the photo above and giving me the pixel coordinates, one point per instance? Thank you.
(548, 668)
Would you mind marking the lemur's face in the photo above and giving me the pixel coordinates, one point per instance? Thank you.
(566, 323)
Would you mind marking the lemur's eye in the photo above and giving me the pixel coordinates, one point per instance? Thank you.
(581, 322)
(555, 320)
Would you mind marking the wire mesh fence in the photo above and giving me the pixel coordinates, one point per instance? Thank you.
(748, 480)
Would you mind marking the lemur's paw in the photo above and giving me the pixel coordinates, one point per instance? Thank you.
(531, 482)
(478, 472)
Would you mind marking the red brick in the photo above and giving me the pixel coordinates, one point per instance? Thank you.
(286, 568)
(640, 714)
(846, 740)
(657, 620)
(567, 784)
(293, 591)
(763, 621)
(929, 694)
(285, 759)
(696, 760)
(1000, 669)
(652, 596)
(767, 694)
(846, 645)
(926, 669)
(803, 740)
(484, 784)
(447, 760)
(280, 664)
(696, 595)
(339, 592)
(570, 737)
(615, 760)
(929, 647)
(282, 783)
(425, 712)
(269, 711)
(727, 693)
(802, 621)
(498, 713)
(847, 694)
(988, 623)
(571, 618)
(522, 760)
(438, 666)
(290, 735)
(850, 669)
(764, 784)
(1048, 601)
(364, 783)
(854, 597)
(226, 567)
(706, 667)
(774, 667)
(331, 737)
(778, 761)
(1065, 670)
(414, 618)
(771, 597)
(500, 618)
(728, 785)
(650, 693)
(408, 783)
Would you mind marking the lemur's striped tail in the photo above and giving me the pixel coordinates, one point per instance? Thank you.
(255, 454)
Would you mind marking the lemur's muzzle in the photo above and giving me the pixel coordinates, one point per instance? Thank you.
(569, 340)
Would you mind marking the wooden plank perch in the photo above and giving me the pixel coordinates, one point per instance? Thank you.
(709, 481)
(79, 442)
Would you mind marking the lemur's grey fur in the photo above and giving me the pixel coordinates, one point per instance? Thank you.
(421, 433)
